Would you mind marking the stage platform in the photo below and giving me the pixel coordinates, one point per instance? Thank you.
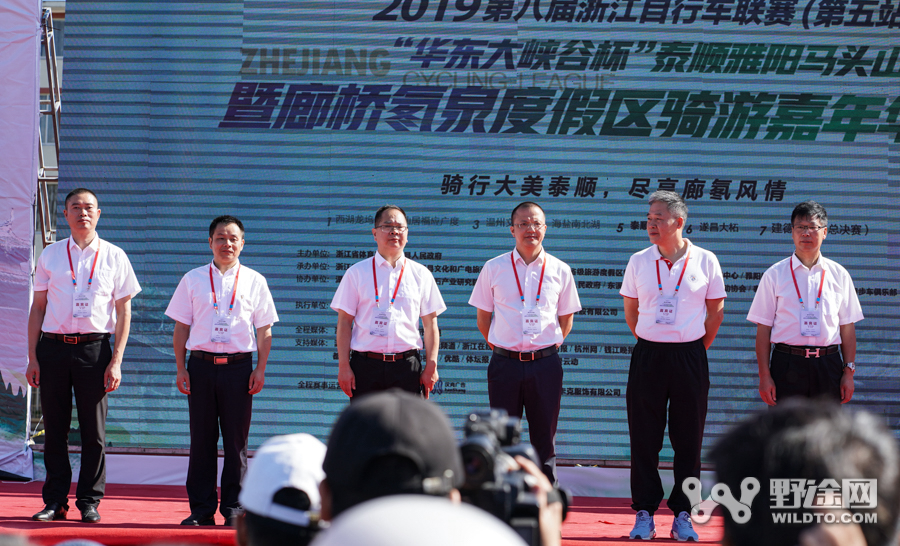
(149, 514)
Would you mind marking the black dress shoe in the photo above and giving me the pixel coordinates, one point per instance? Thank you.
(52, 512)
(90, 515)
(199, 520)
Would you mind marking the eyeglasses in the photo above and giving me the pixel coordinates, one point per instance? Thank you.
(385, 228)
(526, 226)
(807, 229)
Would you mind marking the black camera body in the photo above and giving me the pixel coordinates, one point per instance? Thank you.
(494, 481)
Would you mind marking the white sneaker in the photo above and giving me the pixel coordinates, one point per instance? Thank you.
(682, 529)
(644, 527)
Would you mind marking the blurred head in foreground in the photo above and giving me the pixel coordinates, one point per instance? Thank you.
(815, 463)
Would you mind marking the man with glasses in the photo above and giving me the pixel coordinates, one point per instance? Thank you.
(674, 296)
(379, 303)
(806, 305)
(532, 298)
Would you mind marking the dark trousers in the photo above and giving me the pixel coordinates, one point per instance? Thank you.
(219, 398)
(374, 375)
(665, 378)
(795, 375)
(536, 387)
(66, 368)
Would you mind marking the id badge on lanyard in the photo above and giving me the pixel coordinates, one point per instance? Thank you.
(531, 316)
(221, 324)
(667, 307)
(810, 322)
(810, 319)
(83, 302)
(531, 321)
(221, 329)
(384, 321)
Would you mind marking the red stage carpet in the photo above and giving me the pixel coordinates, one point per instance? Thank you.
(146, 514)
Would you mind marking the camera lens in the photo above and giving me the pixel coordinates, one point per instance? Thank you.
(478, 465)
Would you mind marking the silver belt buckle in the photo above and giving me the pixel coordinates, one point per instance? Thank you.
(393, 357)
(809, 353)
(526, 359)
(220, 360)
(72, 340)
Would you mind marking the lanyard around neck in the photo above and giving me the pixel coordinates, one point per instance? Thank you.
(797, 288)
(677, 286)
(537, 299)
(396, 288)
(212, 287)
(93, 265)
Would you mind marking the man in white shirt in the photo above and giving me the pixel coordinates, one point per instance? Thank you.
(532, 298)
(223, 312)
(806, 306)
(674, 296)
(379, 303)
(83, 287)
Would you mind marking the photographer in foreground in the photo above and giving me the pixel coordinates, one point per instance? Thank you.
(394, 443)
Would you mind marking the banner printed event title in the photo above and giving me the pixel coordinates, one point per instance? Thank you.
(305, 117)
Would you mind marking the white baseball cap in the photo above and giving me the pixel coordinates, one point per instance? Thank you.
(291, 461)
(414, 520)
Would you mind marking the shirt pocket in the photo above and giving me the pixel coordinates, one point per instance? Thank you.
(550, 294)
(831, 308)
(105, 283)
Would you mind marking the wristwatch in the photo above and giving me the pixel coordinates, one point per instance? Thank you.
(851, 365)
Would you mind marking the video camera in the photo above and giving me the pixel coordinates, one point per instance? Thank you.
(494, 481)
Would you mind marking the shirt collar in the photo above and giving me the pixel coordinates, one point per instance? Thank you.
(95, 244)
(231, 271)
(657, 256)
(380, 260)
(795, 262)
(518, 257)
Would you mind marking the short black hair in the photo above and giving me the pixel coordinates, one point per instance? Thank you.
(381, 210)
(812, 210)
(263, 531)
(79, 191)
(225, 219)
(810, 440)
(522, 205)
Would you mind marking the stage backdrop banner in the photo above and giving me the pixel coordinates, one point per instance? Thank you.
(19, 90)
(301, 118)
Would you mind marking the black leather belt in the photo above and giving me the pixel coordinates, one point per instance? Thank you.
(75, 339)
(223, 358)
(807, 352)
(527, 357)
(389, 357)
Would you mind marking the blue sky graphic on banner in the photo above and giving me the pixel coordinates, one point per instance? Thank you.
(301, 118)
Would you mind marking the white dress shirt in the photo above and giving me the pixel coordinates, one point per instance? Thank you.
(192, 304)
(113, 280)
(776, 304)
(496, 292)
(417, 296)
(702, 281)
